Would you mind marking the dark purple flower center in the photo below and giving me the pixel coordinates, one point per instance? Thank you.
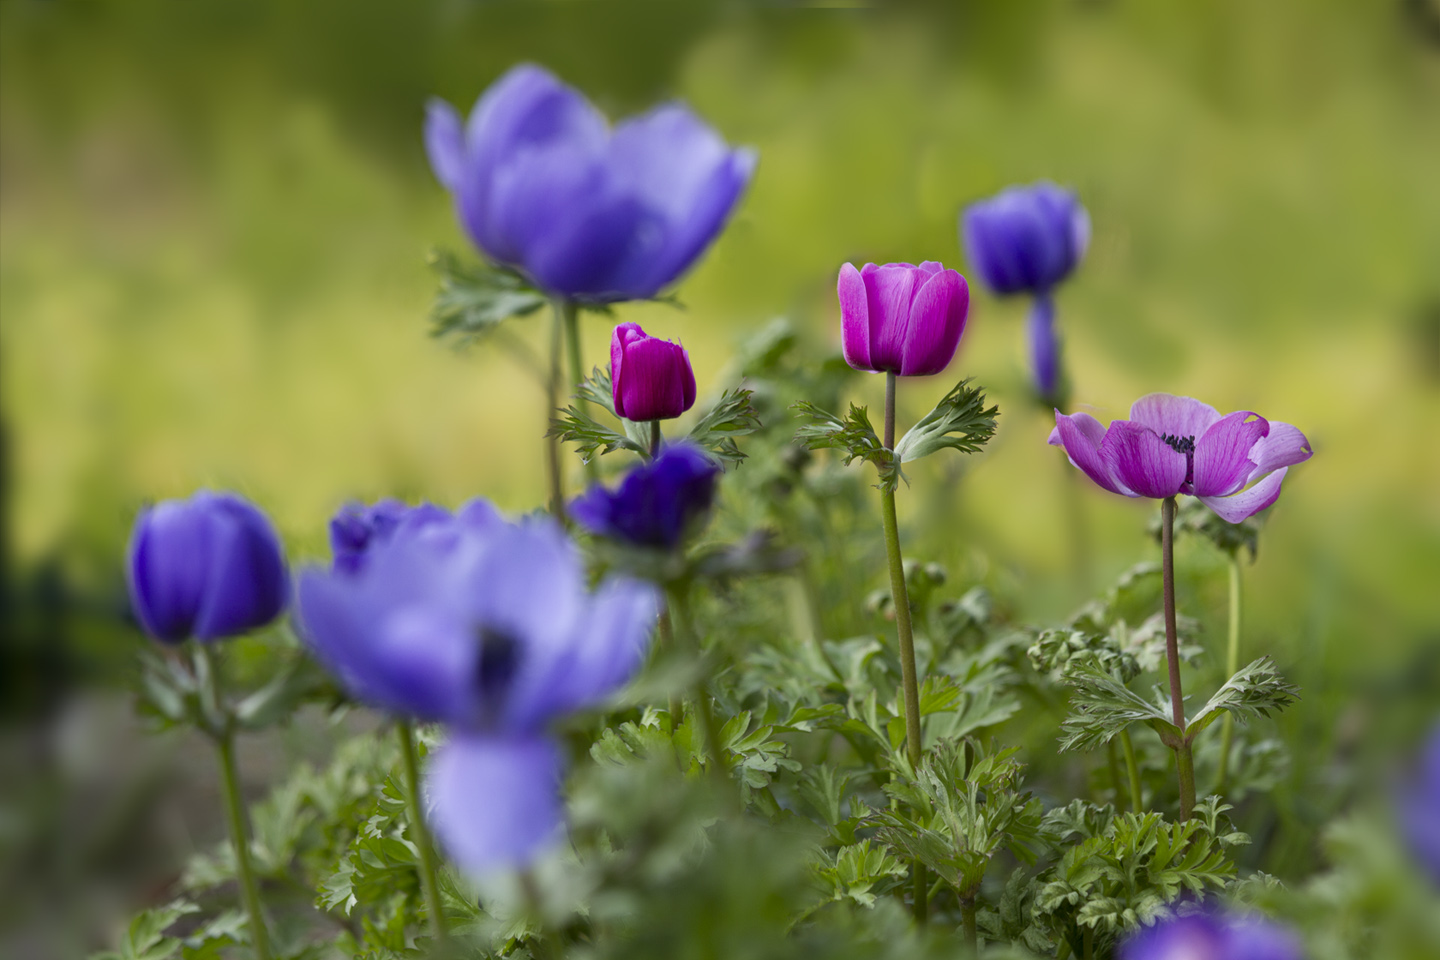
(498, 663)
(1185, 445)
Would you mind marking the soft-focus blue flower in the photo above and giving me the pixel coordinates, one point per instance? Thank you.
(1026, 240)
(542, 183)
(207, 567)
(489, 627)
(657, 502)
(1419, 807)
(356, 528)
(1212, 936)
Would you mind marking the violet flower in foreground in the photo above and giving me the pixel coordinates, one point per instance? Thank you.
(657, 503)
(900, 318)
(1027, 240)
(488, 627)
(1171, 445)
(1419, 808)
(542, 183)
(1212, 936)
(357, 528)
(207, 567)
(650, 378)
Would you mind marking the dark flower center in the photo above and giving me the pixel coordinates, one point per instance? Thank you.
(1185, 445)
(498, 663)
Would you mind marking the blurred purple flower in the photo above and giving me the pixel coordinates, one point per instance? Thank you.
(900, 318)
(1025, 239)
(207, 567)
(357, 528)
(1172, 445)
(489, 627)
(1212, 936)
(657, 503)
(650, 378)
(542, 183)
(1419, 807)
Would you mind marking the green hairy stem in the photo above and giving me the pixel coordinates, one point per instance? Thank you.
(429, 873)
(1184, 760)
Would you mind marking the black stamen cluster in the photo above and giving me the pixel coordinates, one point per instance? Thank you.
(1185, 445)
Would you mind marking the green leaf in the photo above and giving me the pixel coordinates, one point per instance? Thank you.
(475, 299)
(277, 700)
(145, 938)
(960, 421)
(576, 426)
(854, 435)
(732, 416)
(861, 872)
(1102, 706)
(1253, 692)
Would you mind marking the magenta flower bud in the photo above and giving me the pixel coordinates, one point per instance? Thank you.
(650, 378)
(900, 318)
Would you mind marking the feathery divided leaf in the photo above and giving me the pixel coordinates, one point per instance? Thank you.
(960, 421)
(1253, 692)
(732, 416)
(474, 299)
(853, 434)
(1102, 706)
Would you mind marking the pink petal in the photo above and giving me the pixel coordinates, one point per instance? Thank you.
(1177, 416)
(1140, 460)
(1247, 503)
(890, 289)
(1222, 456)
(1081, 435)
(937, 320)
(854, 318)
(624, 335)
(1283, 446)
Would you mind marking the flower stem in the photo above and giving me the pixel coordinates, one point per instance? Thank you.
(552, 403)
(1184, 761)
(901, 601)
(429, 882)
(654, 438)
(1133, 769)
(967, 924)
(570, 315)
(240, 839)
(1232, 664)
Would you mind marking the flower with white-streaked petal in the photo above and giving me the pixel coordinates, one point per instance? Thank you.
(1171, 445)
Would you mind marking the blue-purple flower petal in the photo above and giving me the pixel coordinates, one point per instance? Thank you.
(1143, 462)
(1169, 415)
(1222, 461)
(1243, 505)
(495, 801)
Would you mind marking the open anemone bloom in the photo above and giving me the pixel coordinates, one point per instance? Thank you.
(490, 628)
(1171, 445)
(900, 318)
(543, 184)
(657, 503)
(208, 567)
(1212, 936)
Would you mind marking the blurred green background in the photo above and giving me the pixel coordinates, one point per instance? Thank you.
(214, 222)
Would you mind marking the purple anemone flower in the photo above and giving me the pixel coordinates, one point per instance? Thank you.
(357, 528)
(542, 183)
(1212, 936)
(1170, 445)
(490, 628)
(1419, 808)
(650, 378)
(900, 318)
(1027, 240)
(657, 503)
(207, 567)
